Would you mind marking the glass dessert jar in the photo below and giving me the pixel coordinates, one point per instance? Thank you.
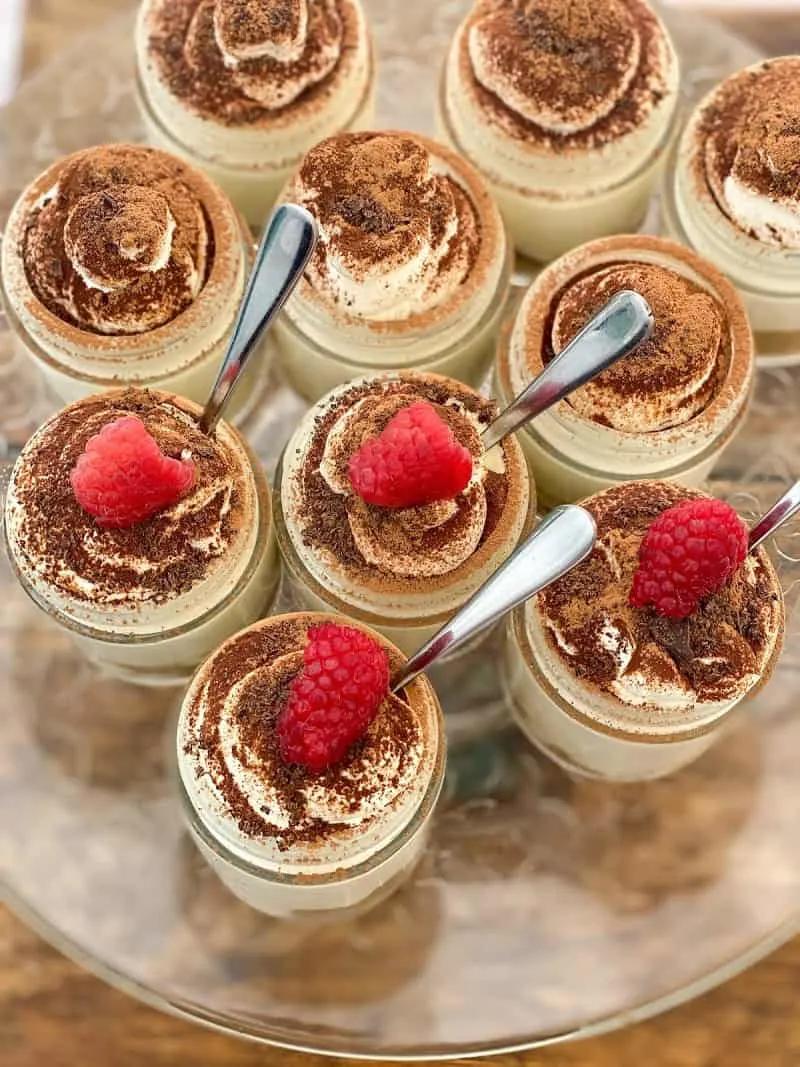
(147, 602)
(411, 271)
(666, 410)
(404, 571)
(243, 94)
(622, 693)
(733, 195)
(566, 110)
(286, 840)
(124, 266)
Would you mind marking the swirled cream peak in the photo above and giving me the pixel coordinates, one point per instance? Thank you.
(637, 656)
(388, 548)
(392, 540)
(399, 234)
(120, 244)
(566, 68)
(750, 151)
(228, 738)
(561, 66)
(669, 379)
(153, 562)
(237, 60)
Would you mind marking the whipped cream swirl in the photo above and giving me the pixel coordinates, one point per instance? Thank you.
(563, 67)
(639, 657)
(425, 541)
(120, 245)
(398, 234)
(671, 378)
(150, 563)
(239, 60)
(228, 740)
(752, 152)
(275, 49)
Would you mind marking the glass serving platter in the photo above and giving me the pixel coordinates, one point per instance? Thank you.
(546, 908)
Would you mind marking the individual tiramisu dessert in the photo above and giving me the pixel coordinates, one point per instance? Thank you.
(243, 88)
(411, 270)
(308, 786)
(666, 410)
(627, 667)
(122, 265)
(566, 109)
(388, 508)
(734, 195)
(148, 540)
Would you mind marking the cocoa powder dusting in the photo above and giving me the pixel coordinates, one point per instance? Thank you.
(184, 47)
(153, 561)
(569, 58)
(679, 370)
(130, 221)
(380, 204)
(723, 643)
(262, 663)
(751, 129)
(324, 513)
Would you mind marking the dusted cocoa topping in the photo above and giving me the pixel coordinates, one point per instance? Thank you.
(389, 548)
(241, 62)
(121, 244)
(154, 561)
(748, 152)
(638, 656)
(670, 378)
(397, 225)
(230, 731)
(249, 28)
(567, 75)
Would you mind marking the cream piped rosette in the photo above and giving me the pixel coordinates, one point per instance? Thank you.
(407, 562)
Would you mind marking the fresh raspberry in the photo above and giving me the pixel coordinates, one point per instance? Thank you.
(123, 477)
(335, 697)
(689, 552)
(416, 460)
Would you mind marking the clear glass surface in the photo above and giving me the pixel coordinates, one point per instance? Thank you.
(545, 908)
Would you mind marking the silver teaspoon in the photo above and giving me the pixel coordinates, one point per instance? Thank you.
(559, 543)
(617, 328)
(786, 508)
(283, 254)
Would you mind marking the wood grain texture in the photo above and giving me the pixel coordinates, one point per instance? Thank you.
(54, 1014)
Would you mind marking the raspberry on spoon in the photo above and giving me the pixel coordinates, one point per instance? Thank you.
(334, 698)
(415, 460)
(688, 553)
(123, 478)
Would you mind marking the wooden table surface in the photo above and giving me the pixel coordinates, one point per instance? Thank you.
(54, 1015)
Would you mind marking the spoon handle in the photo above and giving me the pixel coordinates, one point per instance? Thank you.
(778, 514)
(559, 543)
(286, 246)
(617, 328)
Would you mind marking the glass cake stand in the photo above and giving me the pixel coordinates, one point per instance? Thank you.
(546, 908)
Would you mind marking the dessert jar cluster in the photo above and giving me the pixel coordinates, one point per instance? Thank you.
(567, 109)
(402, 570)
(411, 271)
(733, 194)
(148, 600)
(243, 89)
(291, 840)
(122, 265)
(668, 409)
(624, 693)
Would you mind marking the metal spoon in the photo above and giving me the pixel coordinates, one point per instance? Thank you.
(559, 543)
(787, 507)
(617, 328)
(286, 246)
